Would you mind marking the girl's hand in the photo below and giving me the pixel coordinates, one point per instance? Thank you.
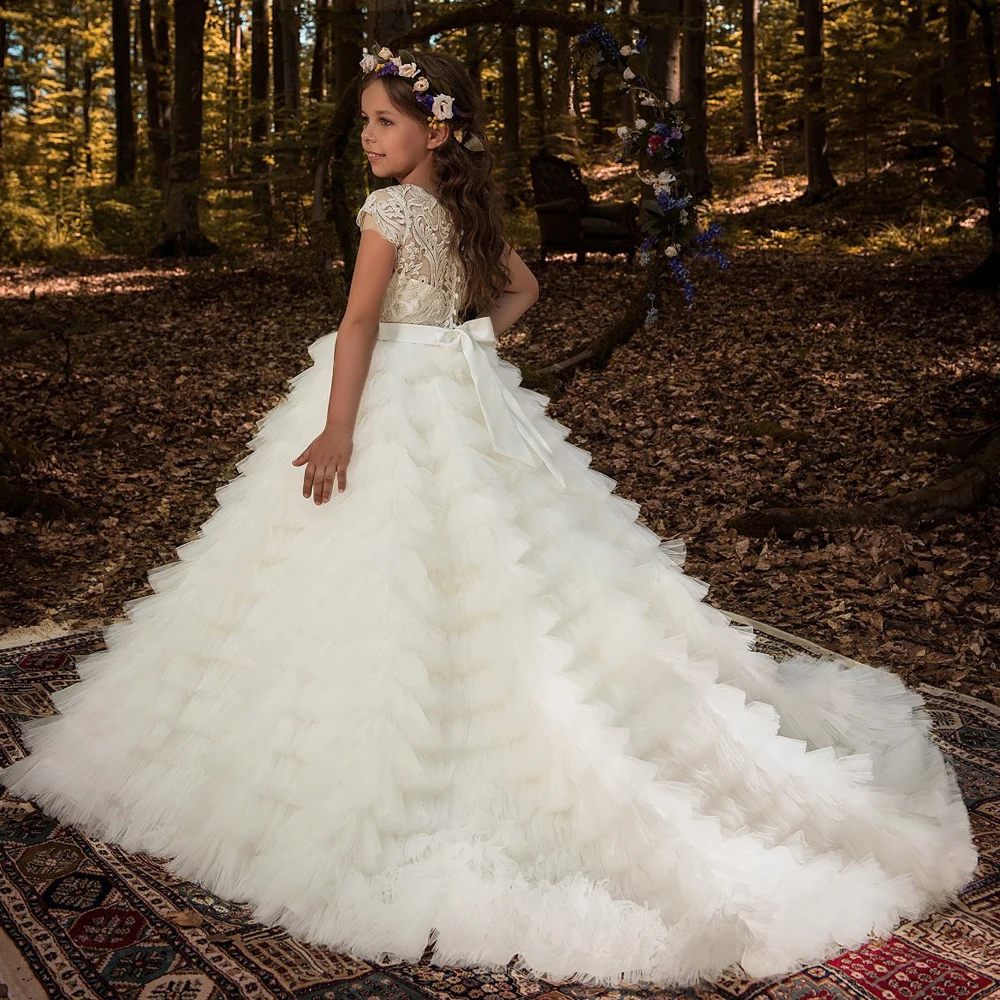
(328, 455)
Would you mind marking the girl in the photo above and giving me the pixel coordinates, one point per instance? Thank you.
(466, 697)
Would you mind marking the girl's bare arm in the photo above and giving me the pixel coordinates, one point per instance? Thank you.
(359, 328)
(519, 295)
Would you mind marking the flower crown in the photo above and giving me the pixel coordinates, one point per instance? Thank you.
(439, 104)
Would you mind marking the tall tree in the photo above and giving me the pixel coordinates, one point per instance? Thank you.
(259, 76)
(234, 67)
(819, 176)
(537, 89)
(388, 19)
(958, 97)
(511, 95)
(749, 73)
(627, 101)
(278, 64)
(4, 100)
(182, 233)
(121, 45)
(695, 90)
(154, 41)
(347, 28)
(317, 76)
(562, 137)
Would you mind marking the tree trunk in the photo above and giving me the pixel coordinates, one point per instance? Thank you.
(278, 64)
(291, 51)
(627, 98)
(511, 92)
(85, 111)
(348, 25)
(965, 489)
(537, 90)
(234, 62)
(562, 136)
(751, 136)
(474, 56)
(317, 76)
(124, 118)
(987, 274)
(916, 39)
(4, 101)
(156, 68)
(387, 20)
(696, 95)
(820, 179)
(182, 233)
(958, 98)
(259, 76)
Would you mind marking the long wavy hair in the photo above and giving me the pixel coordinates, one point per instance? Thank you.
(465, 183)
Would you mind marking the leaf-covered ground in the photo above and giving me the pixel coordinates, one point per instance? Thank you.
(804, 374)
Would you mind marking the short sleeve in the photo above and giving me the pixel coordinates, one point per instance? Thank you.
(384, 210)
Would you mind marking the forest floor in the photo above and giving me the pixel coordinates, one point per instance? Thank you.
(815, 369)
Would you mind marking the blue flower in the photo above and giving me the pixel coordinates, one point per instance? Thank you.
(667, 203)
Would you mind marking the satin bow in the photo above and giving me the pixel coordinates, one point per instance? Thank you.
(510, 428)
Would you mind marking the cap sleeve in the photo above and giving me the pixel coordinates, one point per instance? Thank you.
(384, 208)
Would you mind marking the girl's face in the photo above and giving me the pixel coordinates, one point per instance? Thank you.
(395, 144)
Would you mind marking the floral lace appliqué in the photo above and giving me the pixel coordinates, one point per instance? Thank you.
(426, 285)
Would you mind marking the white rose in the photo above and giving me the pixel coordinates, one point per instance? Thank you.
(396, 61)
(409, 69)
(622, 131)
(420, 83)
(628, 74)
(625, 50)
(671, 250)
(441, 108)
(640, 123)
(368, 63)
(384, 53)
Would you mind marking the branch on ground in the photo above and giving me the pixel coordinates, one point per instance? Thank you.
(967, 488)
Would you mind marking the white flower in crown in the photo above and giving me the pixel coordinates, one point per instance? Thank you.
(384, 53)
(441, 108)
(628, 74)
(396, 61)
(421, 84)
(409, 69)
(368, 63)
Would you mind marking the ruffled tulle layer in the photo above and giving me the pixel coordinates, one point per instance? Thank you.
(461, 702)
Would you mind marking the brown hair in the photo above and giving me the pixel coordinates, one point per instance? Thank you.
(466, 187)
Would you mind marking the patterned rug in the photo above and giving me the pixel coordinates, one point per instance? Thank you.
(85, 920)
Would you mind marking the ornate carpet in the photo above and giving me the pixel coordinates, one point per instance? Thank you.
(85, 920)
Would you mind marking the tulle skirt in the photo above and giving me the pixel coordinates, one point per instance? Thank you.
(472, 700)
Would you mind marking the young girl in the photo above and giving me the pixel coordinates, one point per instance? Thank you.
(464, 697)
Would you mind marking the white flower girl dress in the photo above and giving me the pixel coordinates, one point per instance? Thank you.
(472, 700)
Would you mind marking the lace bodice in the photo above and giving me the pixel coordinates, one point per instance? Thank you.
(426, 285)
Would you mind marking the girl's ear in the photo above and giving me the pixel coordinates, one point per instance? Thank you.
(438, 136)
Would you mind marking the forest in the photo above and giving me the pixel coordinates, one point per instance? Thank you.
(785, 348)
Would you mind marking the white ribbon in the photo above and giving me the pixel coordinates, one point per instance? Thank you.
(510, 428)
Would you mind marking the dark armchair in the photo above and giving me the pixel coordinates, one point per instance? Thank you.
(567, 218)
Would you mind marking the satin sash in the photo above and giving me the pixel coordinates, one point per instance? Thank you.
(512, 431)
